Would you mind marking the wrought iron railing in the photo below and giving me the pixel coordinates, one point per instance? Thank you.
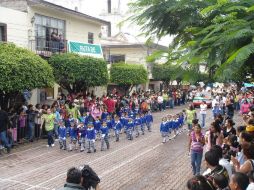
(46, 48)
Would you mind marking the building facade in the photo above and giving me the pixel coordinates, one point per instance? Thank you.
(46, 28)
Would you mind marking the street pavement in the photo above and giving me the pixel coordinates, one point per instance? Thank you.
(142, 164)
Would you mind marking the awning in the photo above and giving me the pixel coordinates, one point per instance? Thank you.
(92, 50)
(248, 85)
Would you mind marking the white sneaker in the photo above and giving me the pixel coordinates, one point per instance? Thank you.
(47, 145)
(53, 145)
(56, 139)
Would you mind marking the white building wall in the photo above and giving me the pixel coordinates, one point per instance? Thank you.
(17, 26)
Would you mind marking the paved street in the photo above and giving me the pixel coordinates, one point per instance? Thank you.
(144, 163)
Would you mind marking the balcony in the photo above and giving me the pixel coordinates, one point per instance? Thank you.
(46, 48)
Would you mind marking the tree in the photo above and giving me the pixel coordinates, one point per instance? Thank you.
(217, 33)
(21, 70)
(128, 75)
(76, 73)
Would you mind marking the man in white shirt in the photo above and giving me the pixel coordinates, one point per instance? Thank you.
(203, 109)
(160, 101)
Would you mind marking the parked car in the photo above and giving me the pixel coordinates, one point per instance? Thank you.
(197, 100)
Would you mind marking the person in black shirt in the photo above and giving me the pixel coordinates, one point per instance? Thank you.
(229, 128)
(212, 161)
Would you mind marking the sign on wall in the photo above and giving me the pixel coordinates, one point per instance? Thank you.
(93, 50)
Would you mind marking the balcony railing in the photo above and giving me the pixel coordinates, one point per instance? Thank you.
(46, 48)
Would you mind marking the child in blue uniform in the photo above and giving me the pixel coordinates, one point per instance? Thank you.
(104, 115)
(91, 135)
(97, 127)
(117, 127)
(73, 135)
(164, 129)
(175, 126)
(170, 124)
(137, 123)
(149, 120)
(104, 135)
(124, 121)
(84, 118)
(62, 135)
(143, 123)
(129, 129)
(109, 124)
(82, 134)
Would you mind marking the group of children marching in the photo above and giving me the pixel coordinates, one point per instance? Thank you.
(83, 132)
(171, 126)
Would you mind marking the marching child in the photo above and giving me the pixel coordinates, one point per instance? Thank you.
(73, 135)
(91, 135)
(109, 124)
(175, 126)
(149, 120)
(129, 129)
(170, 124)
(143, 123)
(181, 121)
(118, 127)
(124, 121)
(62, 135)
(104, 135)
(97, 126)
(137, 123)
(82, 134)
(84, 118)
(164, 129)
(104, 114)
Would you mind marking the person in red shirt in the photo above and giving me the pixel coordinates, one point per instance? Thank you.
(110, 103)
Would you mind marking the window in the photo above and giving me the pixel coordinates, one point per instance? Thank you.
(90, 38)
(117, 58)
(48, 30)
(3, 32)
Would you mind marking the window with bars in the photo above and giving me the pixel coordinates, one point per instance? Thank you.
(3, 32)
(90, 38)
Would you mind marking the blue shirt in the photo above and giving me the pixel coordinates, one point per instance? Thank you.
(82, 130)
(109, 124)
(164, 127)
(104, 115)
(97, 125)
(62, 132)
(118, 126)
(104, 130)
(149, 118)
(91, 133)
(130, 125)
(138, 121)
(73, 132)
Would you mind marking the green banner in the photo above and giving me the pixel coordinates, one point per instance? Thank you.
(92, 50)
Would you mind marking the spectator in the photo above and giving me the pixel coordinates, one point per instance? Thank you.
(4, 120)
(248, 165)
(239, 181)
(229, 129)
(214, 136)
(197, 141)
(212, 162)
(31, 122)
(203, 109)
(200, 183)
(223, 162)
(251, 179)
(90, 179)
(220, 182)
(73, 180)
